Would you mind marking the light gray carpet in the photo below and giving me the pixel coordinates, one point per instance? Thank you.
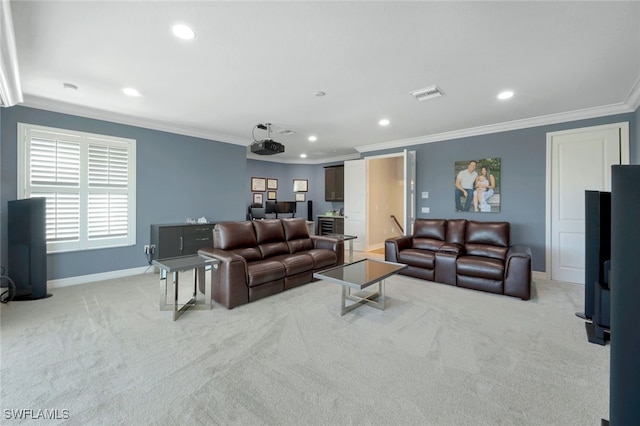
(437, 355)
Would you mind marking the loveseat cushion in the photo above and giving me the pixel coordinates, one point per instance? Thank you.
(488, 239)
(270, 237)
(297, 234)
(264, 271)
(482, 267)
(238, 238)
(417, 257)
(429, 234)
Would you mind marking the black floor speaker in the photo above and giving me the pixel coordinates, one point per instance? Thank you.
(27, 246)
(625, 296)
(310, 210)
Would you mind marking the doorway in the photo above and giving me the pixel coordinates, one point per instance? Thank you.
(577, 160)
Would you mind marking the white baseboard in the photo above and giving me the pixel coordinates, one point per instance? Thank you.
(537, 275)
(85, 279)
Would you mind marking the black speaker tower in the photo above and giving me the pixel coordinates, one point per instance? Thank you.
(310, 210)
(27, 244)
(625, 296)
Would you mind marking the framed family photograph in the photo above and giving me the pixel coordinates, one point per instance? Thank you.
(477, 185)
(258, 184)
(300, 185)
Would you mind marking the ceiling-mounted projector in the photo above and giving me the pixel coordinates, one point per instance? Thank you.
(266, 146)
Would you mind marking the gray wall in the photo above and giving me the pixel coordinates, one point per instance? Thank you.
(523, 170)
(177, 177)
(285, 173)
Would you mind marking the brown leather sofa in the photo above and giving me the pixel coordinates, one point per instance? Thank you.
(264, 257)
(464, 253)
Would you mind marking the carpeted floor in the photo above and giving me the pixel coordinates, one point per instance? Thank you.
(438, 355)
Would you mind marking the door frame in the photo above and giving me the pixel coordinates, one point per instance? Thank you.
(624, 159)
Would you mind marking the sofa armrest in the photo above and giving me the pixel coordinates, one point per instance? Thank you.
(517, 277)
(393, 246)
(229, 286)
(452, 248)
(328, 243)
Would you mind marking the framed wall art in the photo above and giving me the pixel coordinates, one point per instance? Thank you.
(257, 198)
(272, 195)
(258, 184)
(300, 185)
(477, 185)
(272, 183)
(300, 196)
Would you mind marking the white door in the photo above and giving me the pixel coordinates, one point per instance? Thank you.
(355, 202)
(581, 159)
(409, 191)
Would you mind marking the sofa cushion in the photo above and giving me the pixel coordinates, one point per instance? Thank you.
(264, 271)
(429, 234)
(296, 263)
(418, 257)
(297, 234)
(482, 267)
(322, 258)
(270, 237)
(237, 237)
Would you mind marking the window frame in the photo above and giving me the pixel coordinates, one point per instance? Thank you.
(25, 189)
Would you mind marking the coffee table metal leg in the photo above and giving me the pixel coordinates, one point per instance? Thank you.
(375, 300)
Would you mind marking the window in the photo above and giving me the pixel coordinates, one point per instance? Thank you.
(89, 182)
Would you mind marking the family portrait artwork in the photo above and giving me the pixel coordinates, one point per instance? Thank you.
(477, 185)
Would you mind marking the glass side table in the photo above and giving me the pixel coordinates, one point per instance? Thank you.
(171, 267)
(345, 237)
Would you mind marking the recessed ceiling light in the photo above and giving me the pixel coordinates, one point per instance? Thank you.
(69, 86)
(130, 91)
(319, 94)
(384, 122)
(505, 95)
(183, 31)
(313, 138)
(303, 155)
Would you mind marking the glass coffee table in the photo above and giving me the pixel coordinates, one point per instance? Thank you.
(360, 275)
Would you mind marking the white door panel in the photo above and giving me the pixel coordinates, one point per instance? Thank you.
(580, 160)
(355, 202)
(409, 191)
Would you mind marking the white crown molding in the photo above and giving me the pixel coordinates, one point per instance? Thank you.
(633, 99)
(98, 114)
(504, 127)
(10, 89)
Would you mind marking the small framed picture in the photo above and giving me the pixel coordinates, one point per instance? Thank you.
(300, 196)
(272, 183)
(300, 185)
(271, 195)
(258, 184)
(257, 198)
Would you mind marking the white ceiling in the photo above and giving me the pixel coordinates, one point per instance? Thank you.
(257, 62)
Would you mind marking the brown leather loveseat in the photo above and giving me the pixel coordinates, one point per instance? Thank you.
(464, 253)
(264, 257)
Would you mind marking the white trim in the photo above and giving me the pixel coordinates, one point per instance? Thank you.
(633, 99)
(10, 89)
(503, 127)
(91, 278)
(550, 135)
(537, 275)
(275, 159)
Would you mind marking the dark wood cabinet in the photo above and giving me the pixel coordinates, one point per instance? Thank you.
(334, 183)
(172, 240)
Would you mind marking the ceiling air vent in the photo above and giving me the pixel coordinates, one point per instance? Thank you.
(427, 93)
